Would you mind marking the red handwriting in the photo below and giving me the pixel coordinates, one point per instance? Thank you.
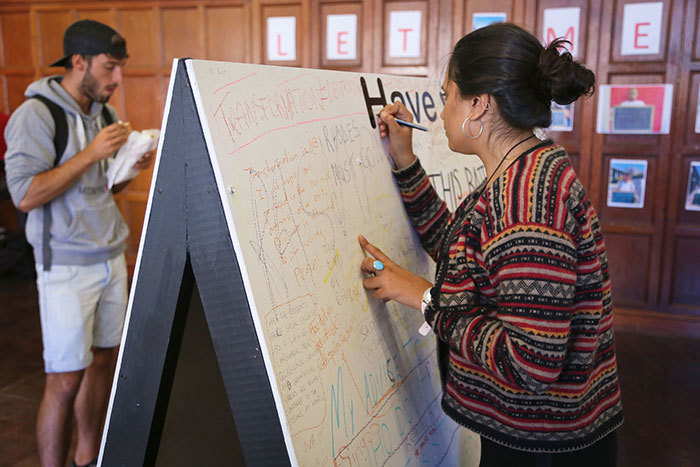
(232, 82)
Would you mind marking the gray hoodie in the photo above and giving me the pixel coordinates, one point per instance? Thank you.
(86, 226)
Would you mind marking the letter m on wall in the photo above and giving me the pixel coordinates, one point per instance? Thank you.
(562, 22)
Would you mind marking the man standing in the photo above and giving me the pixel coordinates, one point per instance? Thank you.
(77, 232)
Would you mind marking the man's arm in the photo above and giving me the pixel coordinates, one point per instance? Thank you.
(51, 183)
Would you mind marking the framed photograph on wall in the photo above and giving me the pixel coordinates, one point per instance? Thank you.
(479, 20)
(562, 117)
(635, 108)
(692, 195)
(697, 112)
(627, 182)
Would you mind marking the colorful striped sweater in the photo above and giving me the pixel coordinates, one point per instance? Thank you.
(522, 300)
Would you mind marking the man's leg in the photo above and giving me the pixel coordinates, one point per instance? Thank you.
(55, 416)
(92, 400)
(68, 298)
(91, 403)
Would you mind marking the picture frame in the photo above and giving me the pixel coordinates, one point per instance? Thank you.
(635, 108)
(627, 183)
(562, 117)
(692, 194)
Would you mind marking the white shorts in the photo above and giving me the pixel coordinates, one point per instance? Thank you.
(81, 307)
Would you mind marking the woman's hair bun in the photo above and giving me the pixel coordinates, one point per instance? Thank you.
(559, 77)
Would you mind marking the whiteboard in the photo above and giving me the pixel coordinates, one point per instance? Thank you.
(301, 172)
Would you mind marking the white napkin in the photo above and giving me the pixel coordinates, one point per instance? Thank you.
(122, 168)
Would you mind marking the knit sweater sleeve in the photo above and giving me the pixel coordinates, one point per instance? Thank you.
(506, 303)
(426, 211)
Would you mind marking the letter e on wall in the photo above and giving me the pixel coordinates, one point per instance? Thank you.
(341, 37)
(641, 28)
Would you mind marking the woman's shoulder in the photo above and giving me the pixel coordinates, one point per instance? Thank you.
(548, 150)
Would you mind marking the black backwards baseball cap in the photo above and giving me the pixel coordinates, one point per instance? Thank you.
(88, 37)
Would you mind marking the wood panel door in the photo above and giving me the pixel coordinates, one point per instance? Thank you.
(635, 237)
(653, 251)
(680, 277)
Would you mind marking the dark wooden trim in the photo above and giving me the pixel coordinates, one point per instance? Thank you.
(653, 322)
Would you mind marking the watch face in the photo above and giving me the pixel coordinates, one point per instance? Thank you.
(427, 298)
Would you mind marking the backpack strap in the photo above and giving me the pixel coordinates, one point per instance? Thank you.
(60, 139)
(106, 116)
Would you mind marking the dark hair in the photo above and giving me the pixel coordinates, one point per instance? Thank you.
(510, 64)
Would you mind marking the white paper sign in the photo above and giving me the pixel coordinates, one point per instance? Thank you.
(281, 38)
(562, 22)
(641, 28)
(697, 113)
(404, 33)
(341, 37)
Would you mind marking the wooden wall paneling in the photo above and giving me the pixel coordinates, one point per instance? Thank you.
(629, 256)
(142, 101)
(51, 23)
(614, 68)
(270, 10)
(16, 54)
(445, 40)
(319, 26)
(227, 30)
(16, 49)
(140, 28)
(16, 85)
(372, 27)
(685, 293)
(182, 32)
(680, 291)
(586, 107)
(103, 15)
(4, 104)
(524, 14)
(133, 209)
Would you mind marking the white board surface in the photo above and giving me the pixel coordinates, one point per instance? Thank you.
(301, 172)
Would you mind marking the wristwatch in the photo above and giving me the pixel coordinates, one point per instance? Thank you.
(425, 301)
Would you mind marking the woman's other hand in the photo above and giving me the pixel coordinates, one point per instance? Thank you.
(393, 282)
(400, 137)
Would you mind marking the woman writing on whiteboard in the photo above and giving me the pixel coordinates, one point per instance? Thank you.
(521, 301)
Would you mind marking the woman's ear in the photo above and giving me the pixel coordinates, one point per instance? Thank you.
(479, 105)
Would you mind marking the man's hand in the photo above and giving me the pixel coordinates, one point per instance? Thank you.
(108, 141)
(144, 163)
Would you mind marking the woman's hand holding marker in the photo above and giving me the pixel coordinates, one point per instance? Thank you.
(389, 280)
(400, 137)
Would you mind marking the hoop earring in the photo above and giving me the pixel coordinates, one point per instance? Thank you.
(464, 131)
(487, 107)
